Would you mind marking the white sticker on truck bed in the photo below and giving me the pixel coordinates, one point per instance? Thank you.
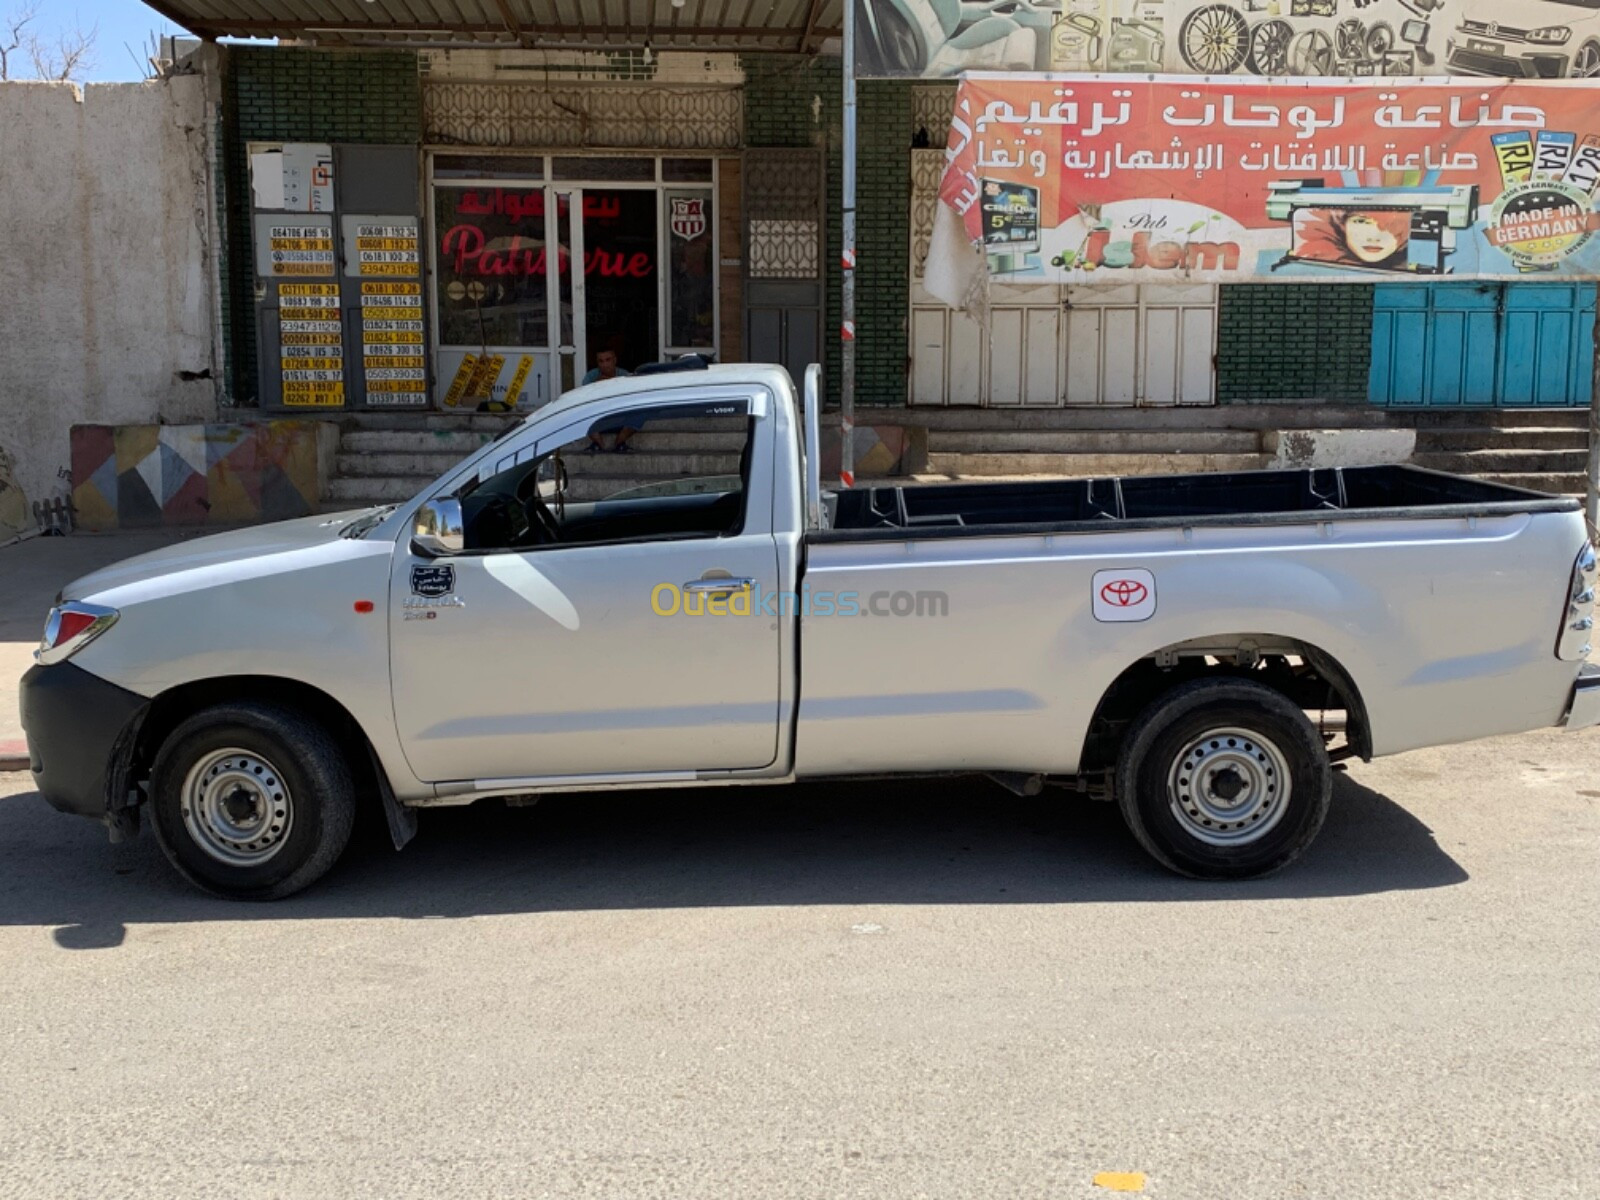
(1128, 594)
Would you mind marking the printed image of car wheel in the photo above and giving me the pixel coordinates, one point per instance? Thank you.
(1311, 53)
(1214, 40)
(1269, 47)
(1586, 62)
(1350, 40)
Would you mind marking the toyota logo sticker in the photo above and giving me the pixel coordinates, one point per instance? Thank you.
(1127, 594)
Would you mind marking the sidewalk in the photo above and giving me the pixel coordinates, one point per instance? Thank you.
(30, 575)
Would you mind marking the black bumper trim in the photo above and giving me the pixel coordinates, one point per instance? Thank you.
(74, 722)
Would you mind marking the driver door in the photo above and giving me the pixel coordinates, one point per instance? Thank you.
(552, 646)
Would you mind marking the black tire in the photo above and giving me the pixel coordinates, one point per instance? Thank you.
(1168, 735)
(315, 777)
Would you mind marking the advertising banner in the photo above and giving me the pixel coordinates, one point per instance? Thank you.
(931, 39)
(1074, 179)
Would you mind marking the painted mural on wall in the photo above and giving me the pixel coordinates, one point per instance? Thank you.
(1100, 179)
(1531, 39)
(133, 475)
(13, 504)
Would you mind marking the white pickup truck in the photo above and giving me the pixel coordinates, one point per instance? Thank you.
(553, 616)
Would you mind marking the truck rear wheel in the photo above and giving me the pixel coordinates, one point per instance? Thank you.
(1224, 779)
(251, 800)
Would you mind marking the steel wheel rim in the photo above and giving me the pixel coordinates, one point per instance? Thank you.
(1586, 63)
(1229, 786)
(237, 808)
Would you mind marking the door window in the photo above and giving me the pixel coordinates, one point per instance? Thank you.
(621, 297)
(650, 474)
(492, 262)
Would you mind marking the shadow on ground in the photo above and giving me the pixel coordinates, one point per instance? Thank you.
(959, 841)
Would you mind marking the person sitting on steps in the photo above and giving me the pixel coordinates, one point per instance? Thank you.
(605, 367)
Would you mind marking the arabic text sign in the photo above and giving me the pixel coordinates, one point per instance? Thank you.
(1063, 177)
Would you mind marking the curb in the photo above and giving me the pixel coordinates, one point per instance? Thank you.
(13, 756)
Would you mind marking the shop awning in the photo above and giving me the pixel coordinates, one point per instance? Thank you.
(768, 25)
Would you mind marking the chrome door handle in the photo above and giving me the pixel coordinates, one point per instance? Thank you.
(716, 586)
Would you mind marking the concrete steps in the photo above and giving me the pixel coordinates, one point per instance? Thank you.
(409, 441)
(1498, 418)
(1486, 438)
(360, 492)
(1498, 461)
(1095, 441)
(1084, 466)
(1560, 485)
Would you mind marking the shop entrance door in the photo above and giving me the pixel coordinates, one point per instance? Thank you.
(619, 293)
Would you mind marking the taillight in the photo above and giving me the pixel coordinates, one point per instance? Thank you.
(1577, 625)
(71, 627)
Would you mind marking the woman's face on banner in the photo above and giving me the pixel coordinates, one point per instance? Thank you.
(1368, 240)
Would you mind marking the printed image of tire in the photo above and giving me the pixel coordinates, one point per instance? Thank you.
(1214, 40)
(1269, 47)
(1311, 53)
(1586, 62)
(1223, 779)
(1350, 40)
(1380, 40)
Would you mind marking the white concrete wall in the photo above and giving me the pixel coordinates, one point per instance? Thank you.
(107, 288)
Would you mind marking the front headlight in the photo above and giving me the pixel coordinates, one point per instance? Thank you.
(1549, 35)
(70, 628)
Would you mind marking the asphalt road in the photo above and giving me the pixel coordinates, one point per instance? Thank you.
(865, 991)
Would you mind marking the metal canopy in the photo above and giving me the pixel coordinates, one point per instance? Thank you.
(770, 25)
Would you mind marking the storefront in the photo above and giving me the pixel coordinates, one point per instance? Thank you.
(540, 263)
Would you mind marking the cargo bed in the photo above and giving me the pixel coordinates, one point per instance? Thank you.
(1232, 498)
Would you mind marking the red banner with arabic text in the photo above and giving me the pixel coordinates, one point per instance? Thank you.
(1079, 179)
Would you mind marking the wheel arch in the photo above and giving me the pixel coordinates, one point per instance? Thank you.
(1150, 675)
(172, 707)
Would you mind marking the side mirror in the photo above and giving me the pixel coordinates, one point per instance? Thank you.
(437, 530)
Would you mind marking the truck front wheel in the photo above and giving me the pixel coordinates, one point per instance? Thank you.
(1223, 779)
(251, 800)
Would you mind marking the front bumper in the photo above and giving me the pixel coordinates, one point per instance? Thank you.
(1584, 710)
(1460, 60)
(74, 722)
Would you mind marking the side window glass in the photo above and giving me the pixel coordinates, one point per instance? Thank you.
(649, 474)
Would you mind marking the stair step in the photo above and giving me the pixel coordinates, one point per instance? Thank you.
(459, 442)
(1501, 462)
(1556, 485)
(1529, 438)
(648, 466)
(1094, 441)
(1500, 418)
(356, 492)
(579, 490)
(368, 466)
(1192, 417)
(418, 422)
(1083, 466)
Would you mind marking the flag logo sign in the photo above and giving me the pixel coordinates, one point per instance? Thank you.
(688, 217)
